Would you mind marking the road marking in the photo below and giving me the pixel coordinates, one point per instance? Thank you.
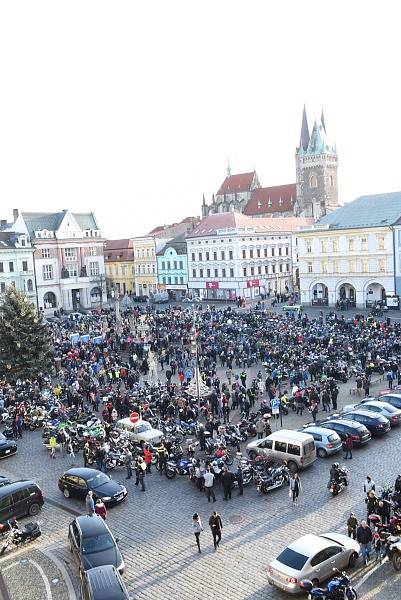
(366, 577)
(42, 574)
(9, 566)
(64, 572)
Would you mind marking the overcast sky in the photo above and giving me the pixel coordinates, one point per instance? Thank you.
(131, 109)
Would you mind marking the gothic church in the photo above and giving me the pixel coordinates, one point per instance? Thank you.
(314, 194)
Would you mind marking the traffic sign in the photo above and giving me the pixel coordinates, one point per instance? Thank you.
(134, 417)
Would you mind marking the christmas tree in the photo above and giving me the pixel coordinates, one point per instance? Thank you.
(24, 339)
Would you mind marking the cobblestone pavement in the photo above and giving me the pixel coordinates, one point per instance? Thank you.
(154, 528)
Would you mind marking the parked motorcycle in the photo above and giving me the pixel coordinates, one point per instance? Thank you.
(17, 536)
(275, 477)
(338, 587)
(338, 480)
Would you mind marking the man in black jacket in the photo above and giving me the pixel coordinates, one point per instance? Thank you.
(364, 537)
(227, 480)
(216, 526)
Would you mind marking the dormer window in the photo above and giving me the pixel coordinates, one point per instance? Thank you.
(280, 201)
(269, 203)
(259, 204)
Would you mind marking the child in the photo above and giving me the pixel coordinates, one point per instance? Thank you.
(377, 545)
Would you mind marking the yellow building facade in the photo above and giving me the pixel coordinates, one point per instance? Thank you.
(145, 266)
(119, 266)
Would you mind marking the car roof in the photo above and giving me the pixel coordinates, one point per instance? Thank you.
(363, 413)
(16, 485)
(309, 544)
(127, 421)
(318, 429)
(83, 472)
(105, 581)
(344, 422)
(90, 524)
(289, 434)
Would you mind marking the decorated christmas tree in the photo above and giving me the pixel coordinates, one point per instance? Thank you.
(24, 339)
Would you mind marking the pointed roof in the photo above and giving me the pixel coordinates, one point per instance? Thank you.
(318, 143)
(242, 182)
(266, 200)
(322, 121)
(304, 139)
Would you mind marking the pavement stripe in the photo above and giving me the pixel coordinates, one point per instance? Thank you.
(64, 572)
(3, 589)
(45, 579)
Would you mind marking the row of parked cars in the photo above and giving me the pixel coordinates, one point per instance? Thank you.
(371, 417)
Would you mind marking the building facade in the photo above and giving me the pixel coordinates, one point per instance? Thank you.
(68, 259)
(231, 255)
(145, 266)
(16, 264)
(348, 256)
(172, 268)
(119, 265)
(314, 194)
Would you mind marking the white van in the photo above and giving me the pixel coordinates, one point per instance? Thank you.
(296, 448)
(141, 431)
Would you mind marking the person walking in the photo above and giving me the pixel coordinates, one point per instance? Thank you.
(86, 452)
(295, 488)
(352, 524)
(240, 480)
(52, 443)
(216, 526)
(140, 473)
(197, 529)
(100, 509)
(260, 427)
(89, 503)
(128, 462)
(208, 484)
(364, 538)
(348, 445)
(70, 451)
(377, 545)
(147, 454)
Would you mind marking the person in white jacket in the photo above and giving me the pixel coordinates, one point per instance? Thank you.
(197, 528)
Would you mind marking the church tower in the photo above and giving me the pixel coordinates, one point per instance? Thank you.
(316, 171)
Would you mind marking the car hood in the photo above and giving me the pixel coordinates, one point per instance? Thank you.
(341, 539)
(97, 559)
(108, 489)
(253, 444)
(149, 435)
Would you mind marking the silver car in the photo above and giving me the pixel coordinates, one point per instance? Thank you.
(312, 557)
(380, 407)
(327, 441)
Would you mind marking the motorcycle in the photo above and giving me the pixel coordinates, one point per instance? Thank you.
(114, 459)
(17, 536)
(337, 484)
(337, 588)
(275, 477)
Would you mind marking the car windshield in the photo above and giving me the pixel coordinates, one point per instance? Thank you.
(142, 428)
(292, 559)
(97, 543)
(389, 408)
(96, 480)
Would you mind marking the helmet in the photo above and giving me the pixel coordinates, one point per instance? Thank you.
(335, 465)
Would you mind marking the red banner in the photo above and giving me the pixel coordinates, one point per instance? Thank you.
(212, 285)
(252, 283)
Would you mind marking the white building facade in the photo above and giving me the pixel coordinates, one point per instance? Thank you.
(231, 255)
(348, 258)
(16, 264)
(68, 259)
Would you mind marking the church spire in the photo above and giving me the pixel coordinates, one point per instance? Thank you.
(322, 121)
(304, 140)
(228, 168)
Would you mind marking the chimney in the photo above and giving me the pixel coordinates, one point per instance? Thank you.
(3, 222)
(15, 214)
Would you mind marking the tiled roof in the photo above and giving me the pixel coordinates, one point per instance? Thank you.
(366, 211)
(52, 221)
(178, 243)
(86, 220)
(118, 250)
(279, 198)
(241, 182)
(234, 220)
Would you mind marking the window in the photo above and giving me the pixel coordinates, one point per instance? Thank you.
(193, 272)
(70, 254)
(335, 245)
(169, 265)
(1, 267)
(281, 268)
(351, 245)
(175, 265)
(223, 272)
(365, 265)
(2, 287)
(214, 255)
(280, 446)
(351, 265)
(279, 251)
(266, 268)
(193, 256)
(287, 267)
(272, 251)
(309, 267)
(244, 271)
(29, 285)
(324, 266)
(380, 242)
(47, 271)
(207, 272)
(313, 181)
(164, 279)
(231, 273)
(364, 243)
(175, 279)
(323, 246)
(72, 269)
(199, 255)
(5, 502)
(381, 265)
(11, 266)
(273, 268)
(169, 280)
(259, 270)
(252, 270)
(265, 252)
(294, 449)
(45, 252)
(181, 265)
(201, 273)
(163, 265)
(207, 256)
(244, 254)
(181, 280)
(94, 269)
(92, 251)
(308, 244)
(216, 272)
(336, 268)
(223, 255)
(230, 255)
(251, 253)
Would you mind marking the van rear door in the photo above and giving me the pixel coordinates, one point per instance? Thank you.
(309, 453)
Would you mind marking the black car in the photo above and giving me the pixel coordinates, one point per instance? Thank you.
(393, 399)
(20, 498)
(78, 481)
(344, 427)
(103, 583)
(377, 424)
(93, 545)
(7, 447)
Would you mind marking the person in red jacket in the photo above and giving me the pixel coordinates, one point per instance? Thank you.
(147, 454)
(100, 509)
